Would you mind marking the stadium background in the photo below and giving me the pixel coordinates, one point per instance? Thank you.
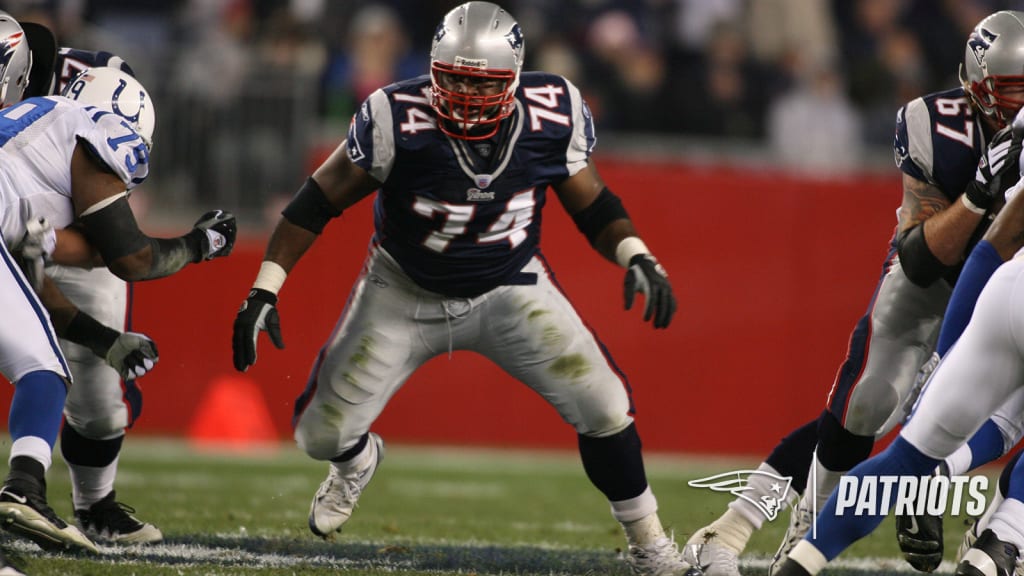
(751, 142)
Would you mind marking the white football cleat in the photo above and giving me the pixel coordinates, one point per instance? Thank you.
(705, 550)
(662, 558)
(339, 493)
(800, 519)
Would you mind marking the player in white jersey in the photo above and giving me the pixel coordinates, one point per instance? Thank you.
(103, 403)
(71, 163)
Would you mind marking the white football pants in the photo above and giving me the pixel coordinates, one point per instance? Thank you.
(391, 326)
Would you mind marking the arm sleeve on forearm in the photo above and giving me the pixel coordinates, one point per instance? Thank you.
(115, 233)
(173, 254)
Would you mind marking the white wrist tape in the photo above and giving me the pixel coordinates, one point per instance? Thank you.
(628, 248)
(271, 277)
(971, 205)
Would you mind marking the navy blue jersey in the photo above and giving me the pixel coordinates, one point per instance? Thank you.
(463, 217)
(71, 61)
(939, 140)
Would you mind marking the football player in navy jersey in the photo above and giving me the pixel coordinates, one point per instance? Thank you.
(461, 160)
(976, 375)
(955, 168)
(99, 408)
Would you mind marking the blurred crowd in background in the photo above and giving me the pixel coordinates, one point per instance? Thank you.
(815, 83)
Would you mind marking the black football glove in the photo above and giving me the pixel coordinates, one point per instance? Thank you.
(219, 229)
(258, 312)
(646, 276)
(998, 169)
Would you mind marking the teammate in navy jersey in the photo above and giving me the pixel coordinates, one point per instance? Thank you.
(69, 160)
(953, 179)
(978, 368)
(461, 161)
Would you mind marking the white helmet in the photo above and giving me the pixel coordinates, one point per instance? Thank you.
(15, 61)
(115, 91)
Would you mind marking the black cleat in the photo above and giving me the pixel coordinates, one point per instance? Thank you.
(989, 556)
(24, 511)
(920, 540)
(111, 521)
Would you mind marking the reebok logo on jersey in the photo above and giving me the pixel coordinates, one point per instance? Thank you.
(911, 495)
(737, 483)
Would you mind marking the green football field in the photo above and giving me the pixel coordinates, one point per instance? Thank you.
(428, 511)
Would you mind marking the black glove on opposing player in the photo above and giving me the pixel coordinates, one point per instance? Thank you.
(646, 276)
(258, 312)
(219, 230)
(998, 169)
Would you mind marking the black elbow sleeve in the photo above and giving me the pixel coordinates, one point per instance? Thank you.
(604, 210)
(113, 231)
(310, 208)
(918, 263)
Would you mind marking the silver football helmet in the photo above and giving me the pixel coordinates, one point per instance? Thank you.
(116, 91)
(475, 61)
(15, 61)
(993, 63)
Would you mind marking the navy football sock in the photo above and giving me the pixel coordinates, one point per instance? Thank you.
(839, 449)
(614, 464)
(792, 456)
(82, 451)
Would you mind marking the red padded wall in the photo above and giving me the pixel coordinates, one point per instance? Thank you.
(771, 272)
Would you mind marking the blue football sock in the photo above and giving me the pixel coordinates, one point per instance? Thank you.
(836, 533)
(986, 445)
(1013, 483)
(38, 406)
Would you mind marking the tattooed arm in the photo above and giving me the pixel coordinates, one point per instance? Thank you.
(946, 226)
